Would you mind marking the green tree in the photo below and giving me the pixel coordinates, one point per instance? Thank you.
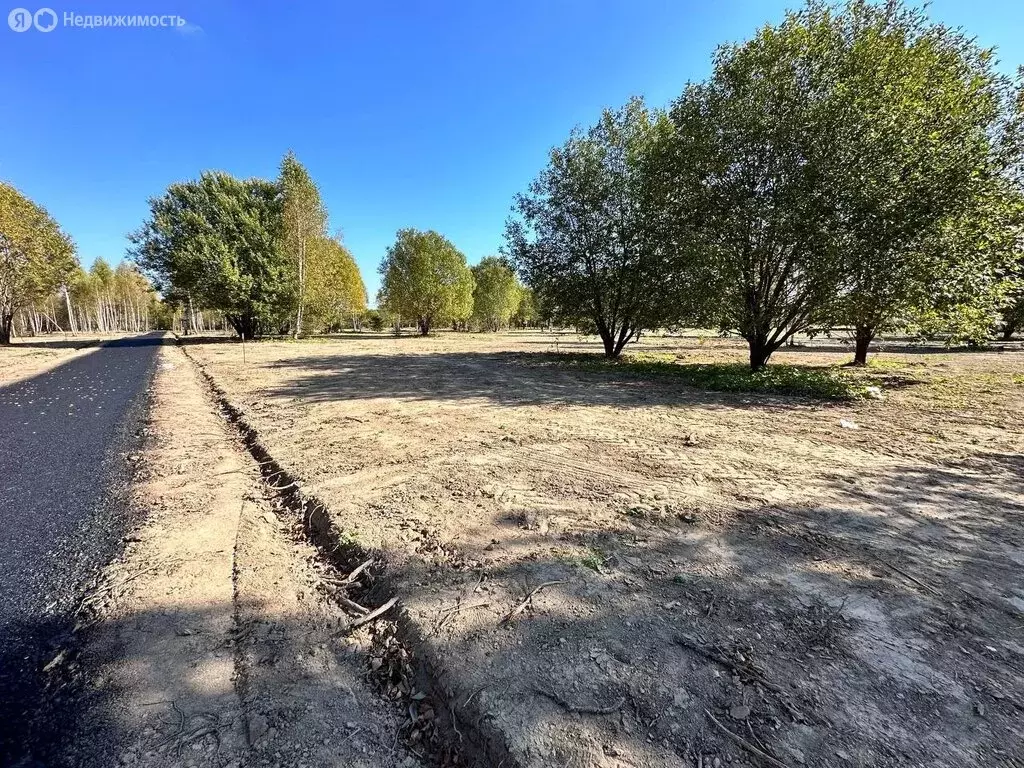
(335, 291)
(829, 162)
(425, 277)
(217, 241)
(591, 232)
(746, 159)
(526, 313)
(496, 294)
(304, 224)
(36, 256)
(912, 168)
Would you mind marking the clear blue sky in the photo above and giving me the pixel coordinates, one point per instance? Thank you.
(428, 114)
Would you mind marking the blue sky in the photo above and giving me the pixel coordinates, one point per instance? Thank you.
(422, 114)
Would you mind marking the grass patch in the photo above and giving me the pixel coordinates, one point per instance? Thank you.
(823, 383)
(593, 559)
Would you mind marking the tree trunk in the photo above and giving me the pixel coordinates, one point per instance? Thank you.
(6, 323)
(1008, 330)
(71, 315)
(760, 351)
(424, 323)
(302, 281)
(607, 338)
(863, 340)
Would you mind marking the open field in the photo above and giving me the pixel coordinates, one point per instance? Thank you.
(827, 582)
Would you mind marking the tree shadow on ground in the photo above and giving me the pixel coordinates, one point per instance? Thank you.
(507, 378)
(881, 627)
(59, 707)
(153, 338)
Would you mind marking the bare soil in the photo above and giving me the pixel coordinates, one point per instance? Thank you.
(600, 569)
(207, 642)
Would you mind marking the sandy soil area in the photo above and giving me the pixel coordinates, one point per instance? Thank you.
(206, 642)
(714, 577)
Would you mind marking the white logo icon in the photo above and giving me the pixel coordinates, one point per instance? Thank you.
(20, 20)
(45, 19)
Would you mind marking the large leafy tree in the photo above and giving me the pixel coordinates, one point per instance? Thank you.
(497, 293)
(425, 277)
(217, 241)
(304, 223)
(915, 107)
(840, 167)
(335, 292)
(36, 256)
(591, 236)
(746, 156)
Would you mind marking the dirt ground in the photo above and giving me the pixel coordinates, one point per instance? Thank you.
(715, 578)
(205, 643)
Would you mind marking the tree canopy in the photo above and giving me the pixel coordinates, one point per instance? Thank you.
(829, 162)
(590, 232)
(335, 293)
(217, 241)
(497, 293)
(425, 278)
(36, 256)
(304, 222)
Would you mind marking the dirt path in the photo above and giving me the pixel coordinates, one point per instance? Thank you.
(211, 641)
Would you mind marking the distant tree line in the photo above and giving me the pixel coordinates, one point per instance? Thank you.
(853, 167)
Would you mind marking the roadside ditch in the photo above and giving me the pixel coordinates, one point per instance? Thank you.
(442, 731)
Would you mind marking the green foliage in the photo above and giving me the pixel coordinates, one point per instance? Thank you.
(591, 234)
(303, 228)
(496, 293)
(746, 154)
(829, 164)
(334, 292)
(914, 170)
(36, 256)
(218, 241)
(375, 320)
(527, 312)
(825, 383)
(425, 277)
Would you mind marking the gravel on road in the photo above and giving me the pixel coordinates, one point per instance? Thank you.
(64, 436)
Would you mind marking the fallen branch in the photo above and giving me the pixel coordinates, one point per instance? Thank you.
(355, 574)
(746, 744)
(580, 708)
(352, 605)
(747, 671)
(374, 614)
(522, 606)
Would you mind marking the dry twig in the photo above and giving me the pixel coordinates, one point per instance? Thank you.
(746, 744)
(374, 613)
(522, 606)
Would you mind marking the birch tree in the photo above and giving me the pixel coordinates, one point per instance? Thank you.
(304, 223)
(36, 256)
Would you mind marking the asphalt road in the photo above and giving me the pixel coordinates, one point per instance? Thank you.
(63, 435)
